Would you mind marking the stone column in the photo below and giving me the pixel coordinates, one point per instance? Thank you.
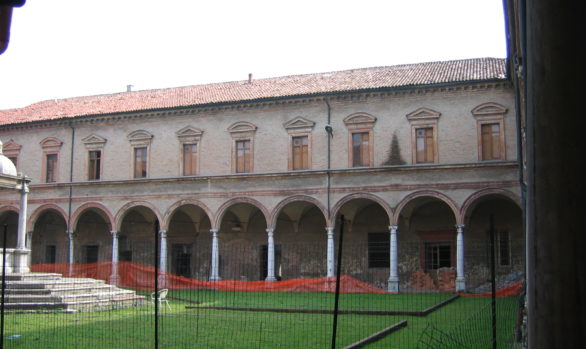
(215, 272)
(393, 285)
(70, 238)
(114, 278)
(162, 258)
(330, 252)
(270, 256)
(21, 253)
(460, 277)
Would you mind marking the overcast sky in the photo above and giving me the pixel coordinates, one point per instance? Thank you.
(68, 48)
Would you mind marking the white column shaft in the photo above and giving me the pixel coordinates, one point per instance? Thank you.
(114, 246)
(215, 272)
(394, 261)
(21, 240)
(330, 252)
(270, 256)
(163, 251)
(460, 277)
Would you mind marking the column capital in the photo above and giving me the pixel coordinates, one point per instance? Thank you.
(330, 230)
(270, 231)
(460, 228)
(163, 234)
(214, 231)
(70, 234)
(114, 233)
(393, 228)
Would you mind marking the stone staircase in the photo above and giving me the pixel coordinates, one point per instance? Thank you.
(47, 292)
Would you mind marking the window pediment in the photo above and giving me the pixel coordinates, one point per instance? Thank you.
(94, 141)
(241, 127)
(423, 114)
(51, 143)
(360, 120)
(189, 134)
(140, 137)
(11, 147)
(489, 109)
(299, 124)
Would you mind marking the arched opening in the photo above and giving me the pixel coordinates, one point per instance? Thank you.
(505, 217)
(93, 238)
(49, 240)
(188, 239)
(10, 220)
(300, 241)
(136, 238)
(242, 235)
(427, 245)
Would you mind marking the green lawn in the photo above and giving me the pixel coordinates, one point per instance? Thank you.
(208, 328)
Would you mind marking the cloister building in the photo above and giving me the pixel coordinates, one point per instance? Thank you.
(249, 180)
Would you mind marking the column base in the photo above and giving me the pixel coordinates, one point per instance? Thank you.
(271, 278)
(20, 261)
(215, 278)
(460, 284)
(114, 280)
(393, 286)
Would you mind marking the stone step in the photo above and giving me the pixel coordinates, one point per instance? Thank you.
(60, 291)
(32, 276)
(53, 284)
(81, 306)
(111, 295)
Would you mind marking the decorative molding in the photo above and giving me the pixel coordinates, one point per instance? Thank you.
(189, 134)
(423, 114)
(489, 109)
(51, 143)
(242, 127)
(140, 138)
(94, 141)
(11, 147)
(299, 125)
(360, 120)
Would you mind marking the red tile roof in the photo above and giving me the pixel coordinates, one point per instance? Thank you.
(398, 76)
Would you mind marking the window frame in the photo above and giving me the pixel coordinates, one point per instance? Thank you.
(360, 123)
(385, 250)
(299, 127)
(247, 158)
(424, 118)
(50, 146)
(92, 143)
(490, 113)
(498, 238)
(436, 237)
(242, 131)
(189, 135)
(140, 139)
(12, 151)
(135, 162)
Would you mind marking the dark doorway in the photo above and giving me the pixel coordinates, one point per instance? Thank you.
(91, 254)
(181, 256)
(50, 254)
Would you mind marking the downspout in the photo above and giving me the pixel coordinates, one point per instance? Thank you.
(328, 174)
(70, 177)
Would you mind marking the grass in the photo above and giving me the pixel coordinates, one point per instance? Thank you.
(208, 328)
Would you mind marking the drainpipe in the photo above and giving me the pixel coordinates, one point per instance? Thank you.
(330, 134)
(69, 228)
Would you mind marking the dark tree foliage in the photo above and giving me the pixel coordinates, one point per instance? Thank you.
(395, 153)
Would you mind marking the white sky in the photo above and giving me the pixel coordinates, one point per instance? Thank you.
(68, 48)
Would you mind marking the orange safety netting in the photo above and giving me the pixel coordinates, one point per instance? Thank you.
(141, 277)
(508, 291)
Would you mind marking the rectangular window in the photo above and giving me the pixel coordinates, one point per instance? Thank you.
(424, 144)
(300, 153)
(243, 156)
(491, 138)
(94, 165)
(189, 159)
(504, 248)
(438, 255)
(360, 149)
(140, 162)
(51, 163)
(91, 253)
(378, 250)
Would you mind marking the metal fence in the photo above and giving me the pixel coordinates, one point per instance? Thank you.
(136, 305)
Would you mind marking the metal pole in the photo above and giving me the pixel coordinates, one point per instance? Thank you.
(338, 271)
(493, 280)
(3, 285)
(157, 285)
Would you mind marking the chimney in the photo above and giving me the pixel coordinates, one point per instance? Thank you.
(250, 78)
(129, 88)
